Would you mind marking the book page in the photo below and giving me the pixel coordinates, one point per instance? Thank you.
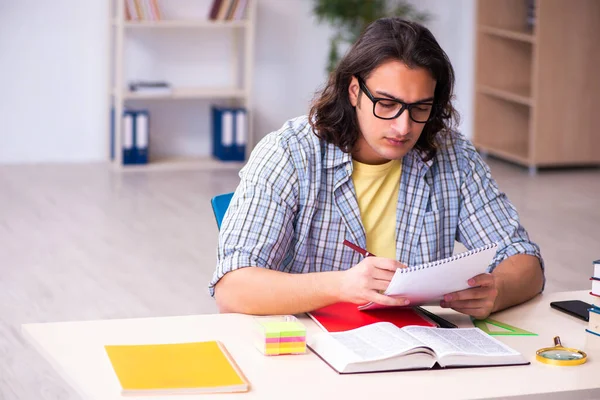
(467, 341)
(377, 341)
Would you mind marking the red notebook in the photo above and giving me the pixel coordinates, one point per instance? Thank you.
(341, 317)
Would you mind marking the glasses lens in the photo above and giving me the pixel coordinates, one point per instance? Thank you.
(387, 109)
(420, 112)
(390, 109)
(561, 355)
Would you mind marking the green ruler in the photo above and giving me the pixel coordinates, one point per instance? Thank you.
(507, 330)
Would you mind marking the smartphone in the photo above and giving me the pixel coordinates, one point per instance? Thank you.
(576, 308)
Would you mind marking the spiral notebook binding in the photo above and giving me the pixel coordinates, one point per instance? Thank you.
(447, 260)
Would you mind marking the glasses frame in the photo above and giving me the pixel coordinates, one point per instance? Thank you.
(405, 106)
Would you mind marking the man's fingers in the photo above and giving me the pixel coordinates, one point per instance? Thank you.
(470, 294)
(378, 285)
(482, 280)
(382, 274)
(386, 263)
(478, 301)
(387, 300)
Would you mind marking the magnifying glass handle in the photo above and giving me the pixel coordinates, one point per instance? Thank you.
(557, 341)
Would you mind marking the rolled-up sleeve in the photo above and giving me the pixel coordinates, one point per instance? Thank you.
(486, 215)
(257, 228)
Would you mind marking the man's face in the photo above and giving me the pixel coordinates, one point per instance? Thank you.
(383, 140)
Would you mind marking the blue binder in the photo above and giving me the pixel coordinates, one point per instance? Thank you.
(226, 128)
(134, 147)
(128, 136)
(141, 137)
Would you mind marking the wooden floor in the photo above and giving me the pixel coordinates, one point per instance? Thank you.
(80, 242)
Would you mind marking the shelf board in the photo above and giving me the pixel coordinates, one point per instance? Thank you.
(512, 34)
(515, 95)
(515, 155)
(187, 93)
(183, 163)
(199, 24)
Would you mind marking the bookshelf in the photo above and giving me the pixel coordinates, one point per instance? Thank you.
(239, 94)
(536, 88)
(184, 24)
(188, 93)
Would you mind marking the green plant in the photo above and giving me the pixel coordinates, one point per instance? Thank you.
(350, 17)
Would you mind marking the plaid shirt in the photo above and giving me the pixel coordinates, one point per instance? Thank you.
(296, 204)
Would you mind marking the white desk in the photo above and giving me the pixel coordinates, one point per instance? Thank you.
(75, 350)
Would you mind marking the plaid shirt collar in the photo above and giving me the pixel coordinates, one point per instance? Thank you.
(414, 190)
(334, 157)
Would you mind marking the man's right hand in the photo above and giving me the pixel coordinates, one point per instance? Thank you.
(366, 281)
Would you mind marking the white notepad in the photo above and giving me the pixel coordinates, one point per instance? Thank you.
(429, 282)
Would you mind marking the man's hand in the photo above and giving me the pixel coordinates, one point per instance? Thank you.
(366, 280)
(478, 301)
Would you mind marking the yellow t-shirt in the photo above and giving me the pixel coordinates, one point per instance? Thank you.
(377, 193)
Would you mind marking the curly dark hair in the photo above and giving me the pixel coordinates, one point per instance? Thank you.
(332, 116)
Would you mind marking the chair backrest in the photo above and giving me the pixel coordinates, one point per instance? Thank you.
(219, 205)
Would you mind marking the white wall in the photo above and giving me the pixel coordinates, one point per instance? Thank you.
(52, 80)
(54, 73)
(453, 25)
(291, 61)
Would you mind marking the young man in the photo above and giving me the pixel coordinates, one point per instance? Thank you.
(376, 163)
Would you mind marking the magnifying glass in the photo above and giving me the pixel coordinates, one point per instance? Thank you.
(559, 355)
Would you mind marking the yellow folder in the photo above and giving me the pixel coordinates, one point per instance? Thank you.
(181, 368)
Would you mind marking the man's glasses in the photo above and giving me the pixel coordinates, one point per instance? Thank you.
(385, 108)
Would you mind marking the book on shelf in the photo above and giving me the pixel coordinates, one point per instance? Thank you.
(142, 10)
(214, 10)
(177, 368)
(531, 14)
(240, 10)
(236, 11)
(228, 10)
(223, 9)
(155, 10)
(428, 283)
(385, 347)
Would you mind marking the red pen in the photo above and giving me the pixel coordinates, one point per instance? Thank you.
(358, 249)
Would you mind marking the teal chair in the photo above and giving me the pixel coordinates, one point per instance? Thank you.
(219, 205)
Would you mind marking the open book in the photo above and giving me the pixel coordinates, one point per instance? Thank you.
(427, 283)
(385, 347)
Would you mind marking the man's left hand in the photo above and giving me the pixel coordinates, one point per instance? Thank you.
(477, 301)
